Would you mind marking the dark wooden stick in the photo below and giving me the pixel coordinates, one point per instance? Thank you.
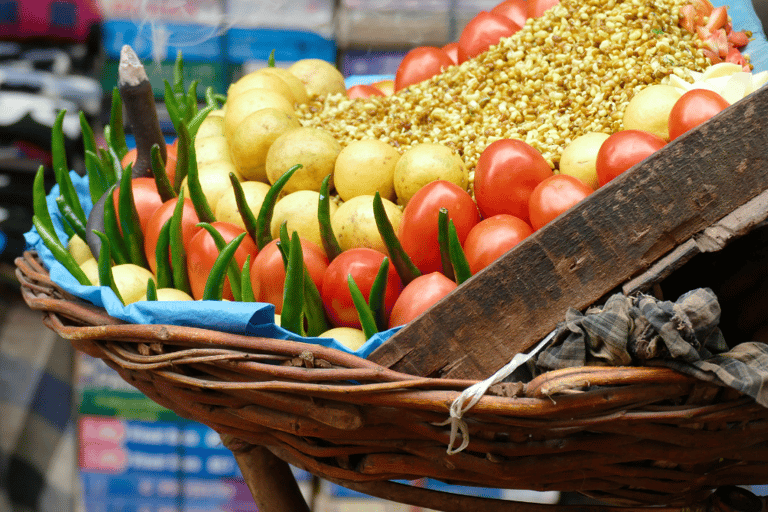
(139, 100)
(269, 478)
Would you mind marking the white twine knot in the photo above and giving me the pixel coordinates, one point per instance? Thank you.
(470, 396)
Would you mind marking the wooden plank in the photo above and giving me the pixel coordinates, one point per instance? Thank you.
(617, 233)
(711, 239)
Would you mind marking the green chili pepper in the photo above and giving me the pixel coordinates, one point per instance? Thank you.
(400, 259)
(442, 242)
(271, 59)
(246, 288)
(292, 316)
(178, 74)
(211, 99)
(40, 204)
(68, 230)
(183, 146)
(151, 290)
(163, 271)
(114, 160)
(116, 124)
(96, 186)
(106, 278)
(191, 102)
(264, 219)
(330, 243)
(60, 252)
(312, 307)
(364, 313)
(96, 183)
(110, 167)
(164, 187)
(70, 219)
(178, 252)
(196, 194)
(249, 219)
(233, 271)
(129, 221)
(458, 258)
(112, 229)
(196, 121)
(61, 169)
(214, 285)
(377, 296)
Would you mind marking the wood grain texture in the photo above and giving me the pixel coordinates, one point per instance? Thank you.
(613, 236)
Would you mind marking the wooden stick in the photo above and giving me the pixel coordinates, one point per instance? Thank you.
(269, 478)
(139, 100)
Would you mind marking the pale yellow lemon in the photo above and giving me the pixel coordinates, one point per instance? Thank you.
(299, 210)
(254, 136)
(255, 80)
(579, 157)
(350, 337)
(354, 223)
(319, 77)
(314, 148)
(131, 281)
(226, 207)
(297, 87)
(166, 294)
(214, 180)
(211, 125)
(212, 148)
(649, 109)
(91, 269)
(248, 102)
(79, 249)
(365, 167)
(424, 163)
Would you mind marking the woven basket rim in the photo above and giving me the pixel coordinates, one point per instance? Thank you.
(352, 421)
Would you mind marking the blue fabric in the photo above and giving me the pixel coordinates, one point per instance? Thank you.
(255, 319)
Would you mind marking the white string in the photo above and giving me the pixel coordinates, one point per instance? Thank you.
(470, 396)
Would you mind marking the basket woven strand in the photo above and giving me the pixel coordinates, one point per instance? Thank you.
(630, 437)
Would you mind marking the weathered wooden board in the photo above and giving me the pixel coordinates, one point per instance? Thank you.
(613, 236)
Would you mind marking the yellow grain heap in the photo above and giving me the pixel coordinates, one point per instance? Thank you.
(569, 72)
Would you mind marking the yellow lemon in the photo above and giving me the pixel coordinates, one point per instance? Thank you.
(365, 167)
(649, 109)
(579, 157)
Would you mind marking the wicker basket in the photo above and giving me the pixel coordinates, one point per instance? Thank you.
(631, 437)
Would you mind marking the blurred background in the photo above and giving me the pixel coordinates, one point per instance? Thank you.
(73, 435)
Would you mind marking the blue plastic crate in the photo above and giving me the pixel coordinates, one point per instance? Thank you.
(255, 44)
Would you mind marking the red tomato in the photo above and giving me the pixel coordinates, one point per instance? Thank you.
(363, 91)
(363, 264)
(516, 10)
(268, 271)
(202, 253)
(189, 228)
(452, 49)
(537, 7)
(555, 195)
(693, 108)
(421, 64)
(170, 164)
(145, 197)
(483, 31)
(505, 175)
(622, 150)
(492, 237)
(419, 296)
(419, 224)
